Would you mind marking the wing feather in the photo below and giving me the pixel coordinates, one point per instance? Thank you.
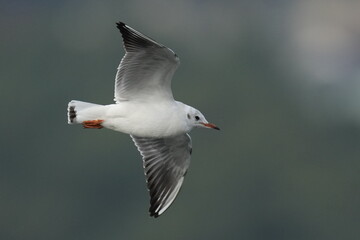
(165, 162)
(146, 69)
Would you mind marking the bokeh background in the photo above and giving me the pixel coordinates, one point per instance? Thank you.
(281, 79)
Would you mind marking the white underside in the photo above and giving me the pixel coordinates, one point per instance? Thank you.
(161, 119)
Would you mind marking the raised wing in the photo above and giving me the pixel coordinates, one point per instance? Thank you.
(146, 70)
(165, 162)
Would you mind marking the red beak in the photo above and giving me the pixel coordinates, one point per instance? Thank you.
(210, 125)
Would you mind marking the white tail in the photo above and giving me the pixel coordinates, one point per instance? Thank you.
(79, 111)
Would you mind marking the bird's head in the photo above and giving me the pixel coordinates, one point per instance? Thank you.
(196, 119)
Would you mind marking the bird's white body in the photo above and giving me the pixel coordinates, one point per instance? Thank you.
(142, 119)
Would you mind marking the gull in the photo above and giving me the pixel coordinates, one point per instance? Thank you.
(146, 110)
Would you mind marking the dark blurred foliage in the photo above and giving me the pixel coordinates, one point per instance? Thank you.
(280, 78)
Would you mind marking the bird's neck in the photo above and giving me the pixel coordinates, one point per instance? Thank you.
(183, 110)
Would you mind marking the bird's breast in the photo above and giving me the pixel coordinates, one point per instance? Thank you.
(147, 120)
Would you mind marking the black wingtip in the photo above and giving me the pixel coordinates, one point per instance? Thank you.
(120, 25)
(134, 40)
(152, 211)
(154, 215)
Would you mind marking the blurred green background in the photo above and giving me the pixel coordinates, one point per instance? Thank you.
(280, 78)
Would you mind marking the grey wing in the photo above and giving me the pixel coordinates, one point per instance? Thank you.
(146, 70)
(165, 162)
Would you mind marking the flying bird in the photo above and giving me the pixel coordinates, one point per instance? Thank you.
(145, 109)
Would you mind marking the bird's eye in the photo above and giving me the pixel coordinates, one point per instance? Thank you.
(197, 118)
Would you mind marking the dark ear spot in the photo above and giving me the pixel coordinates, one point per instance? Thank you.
(188, 116)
